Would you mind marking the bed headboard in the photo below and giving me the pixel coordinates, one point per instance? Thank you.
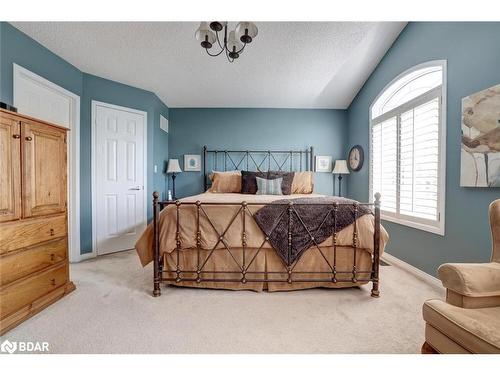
(255, 160)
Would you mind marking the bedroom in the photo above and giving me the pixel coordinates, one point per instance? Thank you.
(267, 200)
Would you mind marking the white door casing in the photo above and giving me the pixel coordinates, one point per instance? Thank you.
(37, 97)
(118, 176)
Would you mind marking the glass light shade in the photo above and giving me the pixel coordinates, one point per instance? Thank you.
(204, 35)
(173, 166)
(246, 31)
(340, 167)
(233, 43)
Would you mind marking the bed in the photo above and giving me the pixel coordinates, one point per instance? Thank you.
(216, 240)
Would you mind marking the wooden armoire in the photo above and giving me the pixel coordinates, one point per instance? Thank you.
(34, 270)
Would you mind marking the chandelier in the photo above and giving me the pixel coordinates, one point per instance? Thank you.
(233, 44)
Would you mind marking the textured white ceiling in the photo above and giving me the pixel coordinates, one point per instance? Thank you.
(288, 65)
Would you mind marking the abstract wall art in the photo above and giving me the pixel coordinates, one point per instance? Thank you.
(480, 150)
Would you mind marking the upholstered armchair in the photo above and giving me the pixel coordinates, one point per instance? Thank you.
(469, 320)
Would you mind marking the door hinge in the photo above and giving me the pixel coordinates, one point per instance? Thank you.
(64, 139)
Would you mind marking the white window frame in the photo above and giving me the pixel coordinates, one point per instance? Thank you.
(438, 226)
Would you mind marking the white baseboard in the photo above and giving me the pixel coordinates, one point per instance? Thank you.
(392, 260)
(83, 257)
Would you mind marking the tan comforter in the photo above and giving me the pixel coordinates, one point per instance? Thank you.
(214, 219)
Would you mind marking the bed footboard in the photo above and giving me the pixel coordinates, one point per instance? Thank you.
(244, 274)
(376, 248)
(156, 246)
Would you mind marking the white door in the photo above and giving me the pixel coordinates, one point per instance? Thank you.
(119, 194)
(37, 97)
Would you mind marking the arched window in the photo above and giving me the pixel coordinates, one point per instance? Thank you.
(407, 147)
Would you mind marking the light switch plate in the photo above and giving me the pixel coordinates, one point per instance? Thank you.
(155, 169)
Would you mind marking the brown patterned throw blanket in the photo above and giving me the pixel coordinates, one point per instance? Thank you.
(310, 217)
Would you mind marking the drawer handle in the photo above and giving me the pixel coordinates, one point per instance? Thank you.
(52, 257)
(51, 231)
(53, 281)
(29, 138)
(16, 136)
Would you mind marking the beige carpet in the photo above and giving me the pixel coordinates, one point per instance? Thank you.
(112, 311)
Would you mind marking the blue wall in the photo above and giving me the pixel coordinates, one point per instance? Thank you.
(253, 128)
(17, 47)
(473, 54)
(21, 49)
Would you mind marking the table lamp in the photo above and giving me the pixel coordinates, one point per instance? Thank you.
(340, 168)
(173, 168)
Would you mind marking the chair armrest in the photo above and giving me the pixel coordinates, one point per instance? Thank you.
(471, 279)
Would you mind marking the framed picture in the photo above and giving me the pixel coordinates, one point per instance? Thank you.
(480, 146)
(323, 164)
(192, 163)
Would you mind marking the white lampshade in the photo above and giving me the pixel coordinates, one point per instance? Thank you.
(340, 167)
(246, 31)
(204, 35)
(233, 44)
(173, 166)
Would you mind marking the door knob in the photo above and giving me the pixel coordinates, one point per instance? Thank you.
(29, 138)
(16, 136)
(135, 188)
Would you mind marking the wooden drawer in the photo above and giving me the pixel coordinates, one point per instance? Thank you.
(22, 233)
(21, 263)
(21, 293)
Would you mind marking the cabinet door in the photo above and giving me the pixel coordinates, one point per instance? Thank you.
(44, 169)
(10, 169)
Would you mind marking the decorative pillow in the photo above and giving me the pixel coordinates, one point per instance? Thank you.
(286, 185)
(302, 183)
(269, 187)
(248, 182)
(212, 174)
(225, 182)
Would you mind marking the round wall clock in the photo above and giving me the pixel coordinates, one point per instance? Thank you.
(356, 158)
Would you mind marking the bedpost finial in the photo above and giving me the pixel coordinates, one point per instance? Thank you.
(156, 195)
(377, 196)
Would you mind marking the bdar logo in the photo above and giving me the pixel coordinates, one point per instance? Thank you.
(8, 347)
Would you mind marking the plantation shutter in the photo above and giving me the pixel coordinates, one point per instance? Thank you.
(384, 162)
(419, 161)
(405, 161)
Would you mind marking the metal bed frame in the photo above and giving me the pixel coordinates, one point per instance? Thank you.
(244, 275)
